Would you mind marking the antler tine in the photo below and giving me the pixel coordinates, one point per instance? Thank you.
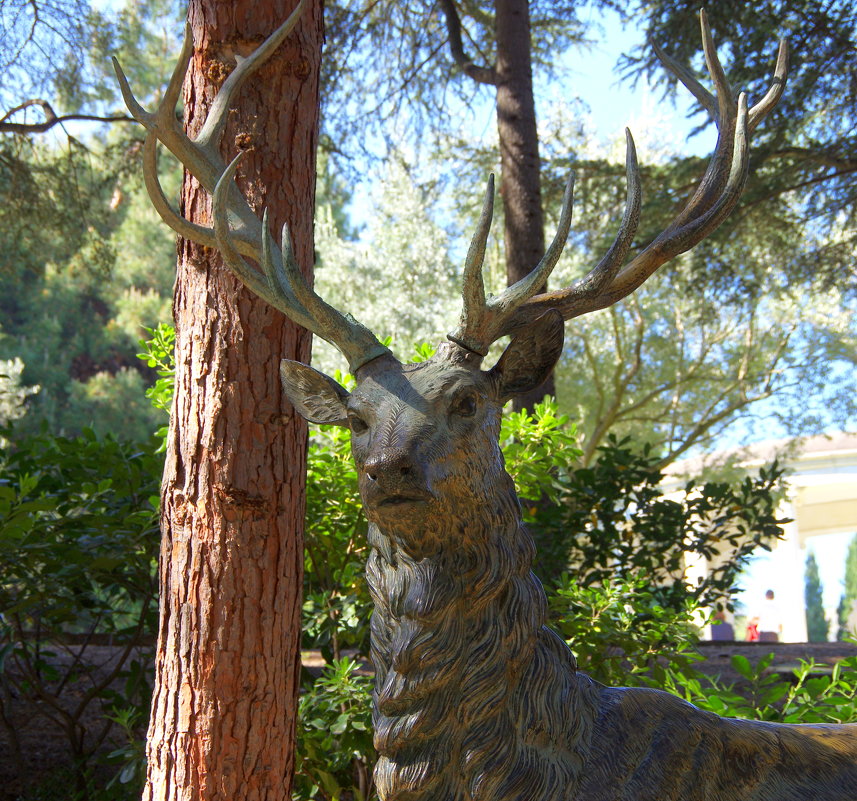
(474, 309)
(721, 108)
(209, 136)
(481, 318)
(775, 92)
(201, 159)
(677, 239)
(281, 284)
(171, 96)
(285, 288)
(200, 234)
(725, 100)
(356, 342)
(717, 105)
(196, 233)
(705, 98)
(594, 282)
(473, 287)
(711, 203)
(674, 240)
(232, 258)
(523, 290)
(200, 156)
(483, 321)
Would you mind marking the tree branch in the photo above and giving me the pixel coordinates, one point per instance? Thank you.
(478, 73)
(51, 119)
(817, 155)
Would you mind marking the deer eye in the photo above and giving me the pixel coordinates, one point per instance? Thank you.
(464, 404)
(358, 424)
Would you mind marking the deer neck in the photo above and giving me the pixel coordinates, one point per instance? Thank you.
(456, 632)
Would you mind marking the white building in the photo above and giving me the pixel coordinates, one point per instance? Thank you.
(822, 502)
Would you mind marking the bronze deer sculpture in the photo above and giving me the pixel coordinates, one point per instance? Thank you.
(475, 698)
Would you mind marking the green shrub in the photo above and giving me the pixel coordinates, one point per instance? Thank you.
(611, 520)
(811, 693)
(335, 756)
(78, 546)
(621, 633)
(159, 354)
(337, 605)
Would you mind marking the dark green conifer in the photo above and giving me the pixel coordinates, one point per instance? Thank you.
(817, 625)
(849, 594)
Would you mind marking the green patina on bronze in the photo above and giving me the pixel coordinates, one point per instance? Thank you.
(475, 698)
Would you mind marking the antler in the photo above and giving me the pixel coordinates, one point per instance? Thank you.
(483, 320)
(280, 283)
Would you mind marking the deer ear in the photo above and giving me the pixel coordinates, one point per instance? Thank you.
(317, 397)
(530, 356)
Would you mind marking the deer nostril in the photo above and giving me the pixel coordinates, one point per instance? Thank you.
(405, 471)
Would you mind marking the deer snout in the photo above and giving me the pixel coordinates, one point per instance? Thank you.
(393, 476)
(386, 465)
(392, 468)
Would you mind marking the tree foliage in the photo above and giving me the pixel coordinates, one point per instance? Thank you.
(12, 394)
(52, 56)
(848, 600)
(402, 49)
(801, 187)
(817, 624)
(86, 265)
(74, 306)
(398, 275)
(681, 371)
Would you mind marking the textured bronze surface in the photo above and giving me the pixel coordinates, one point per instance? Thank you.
(475, 698)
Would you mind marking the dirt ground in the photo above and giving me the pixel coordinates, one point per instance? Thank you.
(44, 749)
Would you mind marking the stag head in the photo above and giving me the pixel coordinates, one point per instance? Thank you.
(424, 436)
(417, 426)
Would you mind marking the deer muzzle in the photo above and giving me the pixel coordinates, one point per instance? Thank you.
(393, 478)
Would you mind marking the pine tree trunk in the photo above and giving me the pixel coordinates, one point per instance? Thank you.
(520, 164)
(227, 664)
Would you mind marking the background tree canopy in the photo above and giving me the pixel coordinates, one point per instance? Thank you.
(802, 186)
(86, 264)
(397, 90)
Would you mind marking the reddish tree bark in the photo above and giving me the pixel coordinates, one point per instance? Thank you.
(520, 164)
(519, 141)
(227, 664)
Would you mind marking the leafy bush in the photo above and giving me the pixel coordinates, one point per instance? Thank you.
(621, 633)
(541, 452)
(612, 521)
(78, 545)
(159, 353)
(335, 756)
(337, 606)
(812, 693)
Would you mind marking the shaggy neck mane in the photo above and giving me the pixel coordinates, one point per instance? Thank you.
(469, 682)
